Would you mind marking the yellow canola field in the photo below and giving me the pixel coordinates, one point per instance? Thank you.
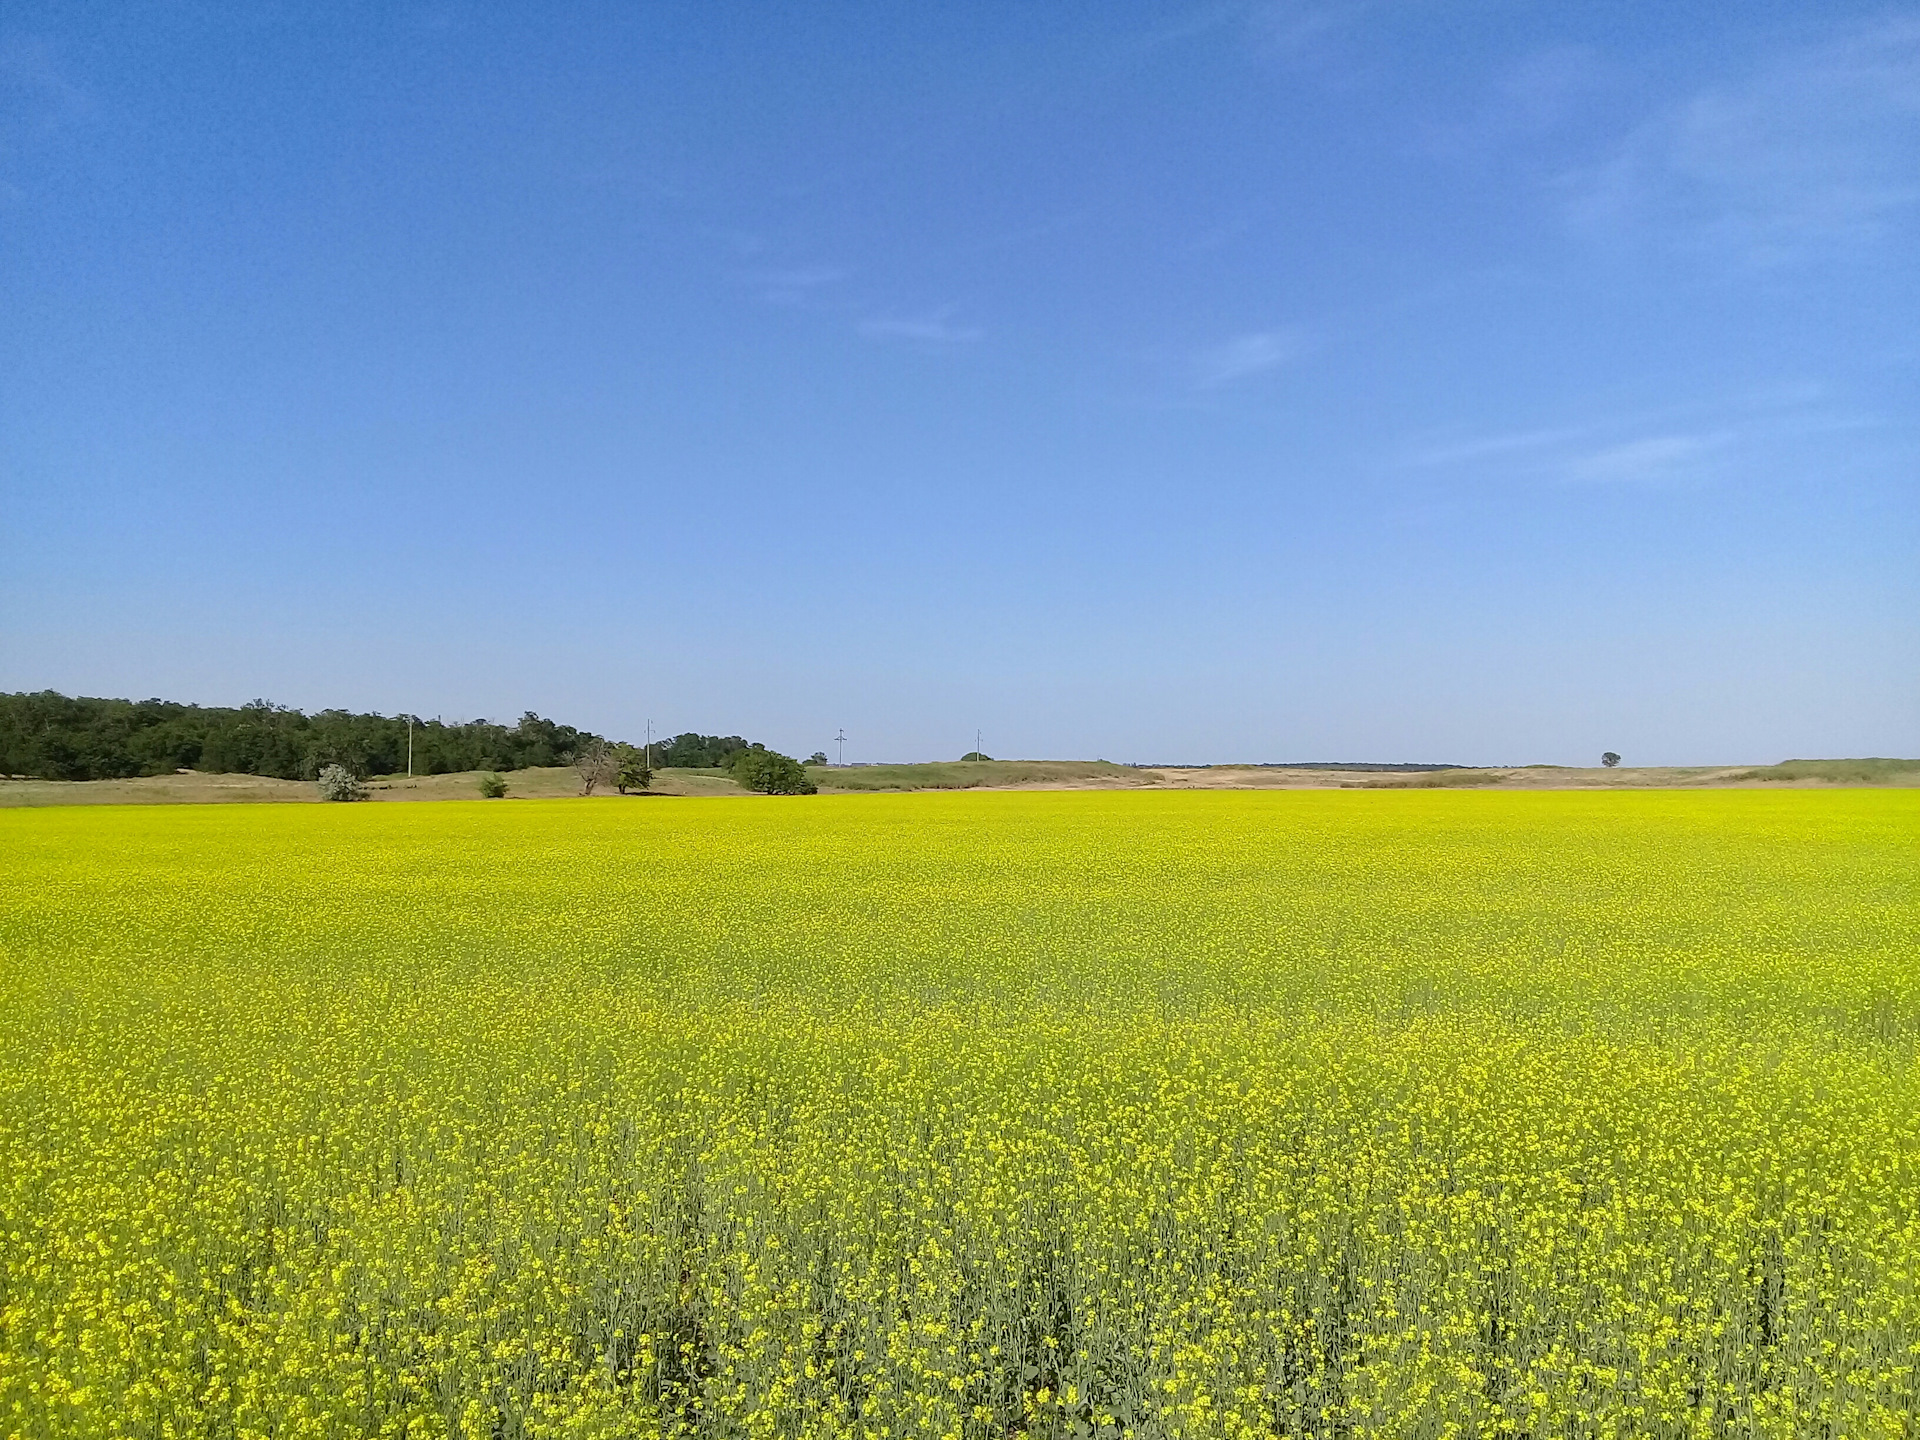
(1388, 1114)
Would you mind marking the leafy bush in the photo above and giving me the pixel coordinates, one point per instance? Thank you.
(336, 782)
(770, 772)
(492, 787)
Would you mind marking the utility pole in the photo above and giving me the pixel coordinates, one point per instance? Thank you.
(649, 744)
(842, 738)
(976, 746)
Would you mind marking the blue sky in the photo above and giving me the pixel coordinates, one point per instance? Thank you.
(1493, 383)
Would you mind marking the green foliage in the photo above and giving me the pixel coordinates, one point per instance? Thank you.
(55, 737)
(698, 752)
(1439, 780)
(818, 757)
(336, 782)
(492, 786)
(1610, 759)
(974, 757)
(630, 769)
(770, 772)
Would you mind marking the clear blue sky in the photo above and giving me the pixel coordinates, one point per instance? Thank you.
(1477, 382)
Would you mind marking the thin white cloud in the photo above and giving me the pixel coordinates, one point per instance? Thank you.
(1683, 444)
(1245, 355)
(1294, 30)
(797, 286)
(805, 277)
(1486, 447)
(1814, 152)
(1542, 93)
(1652, 459)
(933, 328)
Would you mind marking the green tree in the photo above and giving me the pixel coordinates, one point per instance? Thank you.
(492, 787)
(339, 783)
(630, 771)
(63, 738)
(770, 772)
(1609, 759)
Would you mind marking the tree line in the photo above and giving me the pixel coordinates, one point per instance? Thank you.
(51, 736)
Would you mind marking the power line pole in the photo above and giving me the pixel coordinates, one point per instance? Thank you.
(842, 738)
(976, 746)
(649, 744)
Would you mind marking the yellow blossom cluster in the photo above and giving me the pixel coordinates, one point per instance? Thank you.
(1390, 1114)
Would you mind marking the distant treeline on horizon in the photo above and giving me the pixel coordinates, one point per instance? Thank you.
(49, 736)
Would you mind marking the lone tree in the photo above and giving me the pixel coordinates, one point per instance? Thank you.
(1609, 759)
(770, 772)
(631, 771)
(336, 782)
(818, 757)
(593, 762)
(974, 755)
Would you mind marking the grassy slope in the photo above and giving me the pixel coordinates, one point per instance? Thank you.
(194, 788)
(559, 781)
(975, 774)
(1840, 772)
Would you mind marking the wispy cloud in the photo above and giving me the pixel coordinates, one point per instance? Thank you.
(1650, 460)
(1680, 445)
(1292, 30)
(794, 286)
(1812, 152)
(932, 328)
(1489, 447)
(1245, 355)
(1536, 98)
(36, 97)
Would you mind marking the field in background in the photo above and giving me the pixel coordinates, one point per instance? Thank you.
(553, 783)
(1409, 1113)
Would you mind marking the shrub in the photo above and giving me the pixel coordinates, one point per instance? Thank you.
(770, 772)
(492, 787)
(336, 782)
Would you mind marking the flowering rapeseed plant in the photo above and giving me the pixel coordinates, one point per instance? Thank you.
(1385, 1114)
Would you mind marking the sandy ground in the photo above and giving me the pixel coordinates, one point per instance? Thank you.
(1231, 777)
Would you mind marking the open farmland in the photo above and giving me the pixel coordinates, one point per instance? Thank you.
(1396, 1113)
